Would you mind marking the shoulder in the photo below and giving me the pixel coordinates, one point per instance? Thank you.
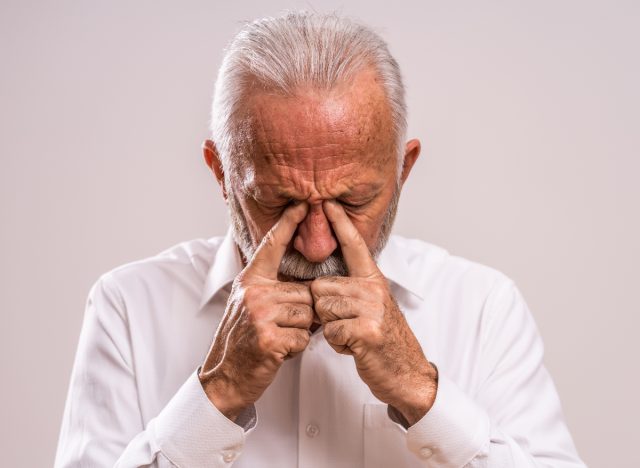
(185, 261)
(433, 268)
(474, 306)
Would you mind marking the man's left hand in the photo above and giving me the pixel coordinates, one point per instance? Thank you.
(360, 317)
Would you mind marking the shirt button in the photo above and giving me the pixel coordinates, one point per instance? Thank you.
(228, 456)
(426, 452)
(312, 430)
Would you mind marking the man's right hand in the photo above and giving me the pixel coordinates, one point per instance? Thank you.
(266, 322)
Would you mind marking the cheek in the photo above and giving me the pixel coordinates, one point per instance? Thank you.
(368, 224)
(258, 221)
(369, 221)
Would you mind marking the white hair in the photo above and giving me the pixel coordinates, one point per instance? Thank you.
(299, 49)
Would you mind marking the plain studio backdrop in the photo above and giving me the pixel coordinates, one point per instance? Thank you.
(529, 117)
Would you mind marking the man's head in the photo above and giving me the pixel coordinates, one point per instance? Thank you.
(307, 108)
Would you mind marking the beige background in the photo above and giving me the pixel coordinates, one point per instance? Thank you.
(528, 112)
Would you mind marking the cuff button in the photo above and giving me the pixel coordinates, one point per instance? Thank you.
(228, 456)
(426, 452)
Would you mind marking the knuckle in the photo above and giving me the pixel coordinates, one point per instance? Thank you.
(294, 311)
(372, 330)
(328, 331)
(378, 289)
(334, 332)
(341, 303)
(330, 303)
(337, 303)
(254, 294)
(266, 340)
(302, 339)
(303, 293)
(322, 302)
(316, 287)
(308, 316)
(322, 306)
(300, 313)
(380, 311)
(298, 341)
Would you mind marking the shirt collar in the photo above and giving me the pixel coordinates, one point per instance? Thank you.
(227, 263)
(394, 265)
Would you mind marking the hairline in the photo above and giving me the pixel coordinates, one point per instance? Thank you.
(237, 74)
(242, 117)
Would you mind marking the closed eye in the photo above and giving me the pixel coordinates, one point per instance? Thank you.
(273, 205)
(352, 205)
(280, 206)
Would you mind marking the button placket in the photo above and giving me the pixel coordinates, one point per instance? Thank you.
(310, 412)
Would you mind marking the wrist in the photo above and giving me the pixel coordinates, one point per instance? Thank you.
(417, 402)
(222, 393)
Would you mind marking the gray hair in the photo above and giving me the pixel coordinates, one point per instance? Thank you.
(300, 49)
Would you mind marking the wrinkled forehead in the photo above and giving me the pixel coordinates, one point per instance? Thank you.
(319, 130)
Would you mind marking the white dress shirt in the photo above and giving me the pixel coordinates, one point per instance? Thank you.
(135, 398)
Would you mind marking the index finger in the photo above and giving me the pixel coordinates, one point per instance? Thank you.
(354, 248)
(267, 257)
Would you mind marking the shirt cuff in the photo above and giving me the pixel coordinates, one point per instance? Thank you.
(452, 432)
(191, 431)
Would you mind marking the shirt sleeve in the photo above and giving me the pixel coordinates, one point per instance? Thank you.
(515, 417)
(102, 425)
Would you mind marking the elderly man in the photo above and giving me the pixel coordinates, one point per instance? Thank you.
(308, 336)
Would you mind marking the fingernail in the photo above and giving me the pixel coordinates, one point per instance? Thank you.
(300, 211)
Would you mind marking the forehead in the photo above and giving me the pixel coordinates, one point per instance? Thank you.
(320, 136)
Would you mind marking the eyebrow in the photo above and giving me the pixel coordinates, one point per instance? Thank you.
(358, 191)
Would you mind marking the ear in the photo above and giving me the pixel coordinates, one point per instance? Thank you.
(411, 153)
(212, 159)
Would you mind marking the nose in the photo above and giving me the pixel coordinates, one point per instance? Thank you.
(315, 239)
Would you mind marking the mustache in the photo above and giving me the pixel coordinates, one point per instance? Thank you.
(295, 265)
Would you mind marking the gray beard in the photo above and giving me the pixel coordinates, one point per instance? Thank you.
(294, 264)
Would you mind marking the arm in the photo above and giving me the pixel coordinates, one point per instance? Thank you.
(266, 321)
(515, 418)
(102, 425)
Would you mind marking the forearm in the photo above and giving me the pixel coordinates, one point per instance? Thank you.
(103, 423)
(458, 431)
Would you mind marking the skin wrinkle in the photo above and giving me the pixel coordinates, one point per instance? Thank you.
(312, 146)
(262, 193)
(334, 182)
(314, 169)
(282, 194)
(332, 109)
(297, 153)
